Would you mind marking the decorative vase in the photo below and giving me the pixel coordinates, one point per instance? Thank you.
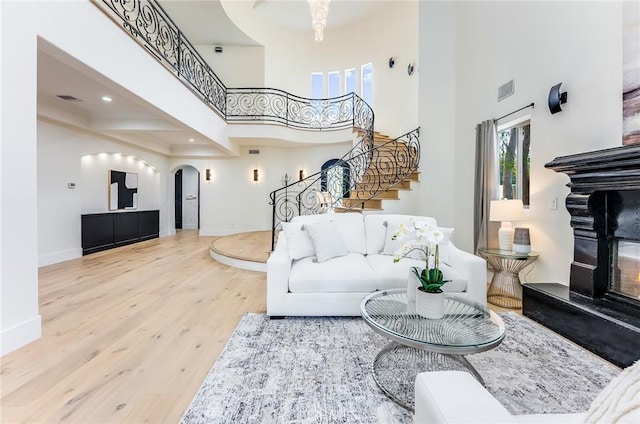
(429, 305)
(412, 284)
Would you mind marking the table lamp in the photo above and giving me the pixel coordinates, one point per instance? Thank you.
(506, 211)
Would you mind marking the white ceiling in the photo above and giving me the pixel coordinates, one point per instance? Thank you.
(129, 119)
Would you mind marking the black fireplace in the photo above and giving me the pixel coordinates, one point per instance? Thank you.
(600, 309)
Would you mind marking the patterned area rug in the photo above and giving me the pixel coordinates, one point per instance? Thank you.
(318, 370)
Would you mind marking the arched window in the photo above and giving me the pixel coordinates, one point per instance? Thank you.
(335, 178)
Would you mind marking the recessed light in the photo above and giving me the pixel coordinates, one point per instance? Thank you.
(191, 140)
(106, 99)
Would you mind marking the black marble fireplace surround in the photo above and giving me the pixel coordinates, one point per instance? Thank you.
(604, 204)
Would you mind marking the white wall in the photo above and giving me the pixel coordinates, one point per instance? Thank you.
(236, 66)
(539, 44)
(232, 202)
(437, 105)
(67, 156)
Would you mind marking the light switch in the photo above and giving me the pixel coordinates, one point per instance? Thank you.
(553, 203)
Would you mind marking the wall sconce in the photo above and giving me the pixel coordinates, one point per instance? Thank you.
(207, 174)
(556, 98)
(301, 175)
(392, 62)
(255, 174)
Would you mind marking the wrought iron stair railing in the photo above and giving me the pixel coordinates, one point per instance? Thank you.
(364, 172)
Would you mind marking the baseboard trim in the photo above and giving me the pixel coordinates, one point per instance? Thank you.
(54, 258)
(21, 334)
(168, 233)
(220, 232)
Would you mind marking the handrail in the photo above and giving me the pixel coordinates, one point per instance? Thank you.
(370, 171)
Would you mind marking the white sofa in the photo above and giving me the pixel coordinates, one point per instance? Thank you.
(299, 285)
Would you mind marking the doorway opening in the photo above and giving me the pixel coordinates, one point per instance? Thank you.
(187, 198)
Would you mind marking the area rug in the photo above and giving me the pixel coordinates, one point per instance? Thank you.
(318, 370)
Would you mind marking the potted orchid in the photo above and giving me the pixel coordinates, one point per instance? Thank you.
(425, 240)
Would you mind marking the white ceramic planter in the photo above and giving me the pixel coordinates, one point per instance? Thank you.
(412, 284)
(429, 305)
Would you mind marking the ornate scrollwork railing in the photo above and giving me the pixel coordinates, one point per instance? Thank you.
(273, 105)
(149, 24)
(359, 176)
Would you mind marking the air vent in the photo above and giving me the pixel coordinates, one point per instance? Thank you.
(506, 90)
(217, 49)
(68, 98)
(254, 152)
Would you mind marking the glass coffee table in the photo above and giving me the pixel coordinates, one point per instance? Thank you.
(419, 344)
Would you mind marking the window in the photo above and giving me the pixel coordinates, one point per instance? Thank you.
(317, 85)
(333, 84)
(514, 150)
(367, 81)
(349, 81)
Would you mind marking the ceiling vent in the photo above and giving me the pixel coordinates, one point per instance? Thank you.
(68, 98)
(254, 152)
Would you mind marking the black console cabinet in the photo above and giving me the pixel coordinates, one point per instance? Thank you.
(102, 231)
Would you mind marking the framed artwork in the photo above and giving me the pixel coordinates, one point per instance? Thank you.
(123, 190)
(631, 73)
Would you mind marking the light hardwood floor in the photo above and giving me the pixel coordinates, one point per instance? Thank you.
(128, 334)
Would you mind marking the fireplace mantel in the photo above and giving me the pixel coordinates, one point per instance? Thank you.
(617, 168)
(604, 204)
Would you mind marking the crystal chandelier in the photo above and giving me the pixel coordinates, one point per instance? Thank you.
(319, 10)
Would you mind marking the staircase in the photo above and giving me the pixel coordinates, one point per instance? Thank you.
(380, 181)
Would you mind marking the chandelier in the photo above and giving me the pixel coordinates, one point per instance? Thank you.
(319, 10)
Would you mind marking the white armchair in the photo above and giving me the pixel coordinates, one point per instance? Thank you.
(457, 397)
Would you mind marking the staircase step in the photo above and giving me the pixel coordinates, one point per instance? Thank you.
(402, 185)
(341, 209)
(364, 194)
(356, 203)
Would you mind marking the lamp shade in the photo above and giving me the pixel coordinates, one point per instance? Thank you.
(506, 210)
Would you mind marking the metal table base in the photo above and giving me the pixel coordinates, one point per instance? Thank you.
(396, 366)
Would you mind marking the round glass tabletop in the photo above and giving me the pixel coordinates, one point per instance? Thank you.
(466, 327)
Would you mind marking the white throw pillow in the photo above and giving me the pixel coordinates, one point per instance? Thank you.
(406, 233)
(619, 402)
(327, 240)
(443, 249)
(299, 244)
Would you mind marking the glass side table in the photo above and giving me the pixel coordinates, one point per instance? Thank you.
(505, 289)
(418, 344)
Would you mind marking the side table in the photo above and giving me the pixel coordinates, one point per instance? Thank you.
(505, 289)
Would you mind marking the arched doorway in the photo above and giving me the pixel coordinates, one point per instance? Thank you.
(186, 199)
(335, 178)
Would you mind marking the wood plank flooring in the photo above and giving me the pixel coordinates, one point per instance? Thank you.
(128, 334)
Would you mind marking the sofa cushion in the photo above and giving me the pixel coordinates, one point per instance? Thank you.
(299, 243)
(349, 273)
(350, 226)
(396, 275)
(377, 230)
(327, 241)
